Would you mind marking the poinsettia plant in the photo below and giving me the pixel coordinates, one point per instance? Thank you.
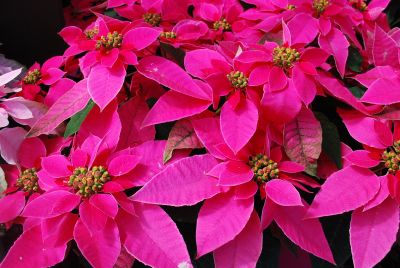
(206, 133)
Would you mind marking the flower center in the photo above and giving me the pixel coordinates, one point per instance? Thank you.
(291, 7)
(32, 77)
(320, 5)
(28, 181)
(237, 79)
(391, 157)
(168, 35)
(110, 41)
(153, 19)
(264, 168)
(359, 4)
(284, 57)
(87, 182)
(222, 24)
(91, 33)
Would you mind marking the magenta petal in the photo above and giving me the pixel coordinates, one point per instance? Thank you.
(104, 83)
(245, 115)
(94, 244)
(30, 251)
(31, 152)
(204, 62)
(235, 173)
(109, 58)
(169, 74)
(290, 167)
(381, 195)
(301, 34)
(384, 49)
(336, 44)
(51, 204)
(58, 231)
(11, 206)
(182, 183)
(155, 239)
(362, 158)
(307, 234)
(373, 232)
(216, 227)
(178, 106)
(106, 203)
(92, 217)
(283, 193)
(56, 165)
(52, 76)
(277, 79)
(378, 92)
(122, 164)
(337, 193)
(259, 75)
(305, 85)
(140, 38)
(245, 249)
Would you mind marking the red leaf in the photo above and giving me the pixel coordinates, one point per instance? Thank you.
(303, 140)
(182, 136)
(66, 106)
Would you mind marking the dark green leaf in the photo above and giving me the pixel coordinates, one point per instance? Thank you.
(175, 54)
(76, 121)
(330, 139)
(357, 92)
(355, 60)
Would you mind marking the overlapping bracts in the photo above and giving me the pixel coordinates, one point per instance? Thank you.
(91, 155)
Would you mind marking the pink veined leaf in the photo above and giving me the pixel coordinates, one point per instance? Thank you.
(378, 92)
(336, 44)
(337, 193)
(220, 220)
(373, 232)
(303, 140)
(283, 193)
(301, 34)
(94, 244)
(384, 49)
(66, 106)
(169, 74)
(182, 136)
(11, 206)
(10, 141)
(125, 260)
(29, 250)
(104, 83)
(173, 106)
(238, 124)
(132, 114)
(51, 204)
(155, 239)
(306, 233)
(182, 183)
(244, 250)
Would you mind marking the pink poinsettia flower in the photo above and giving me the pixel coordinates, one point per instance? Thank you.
(22, 179)
(375, 219)
(47, 74)
(230, 185)
(162, 13)
(92, 184)
(223, 18)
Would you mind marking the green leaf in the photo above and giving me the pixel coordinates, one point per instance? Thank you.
(3, 182)
(173, 53)
(357, 92)
(76, 121)
(330, 139)
(355, 60)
